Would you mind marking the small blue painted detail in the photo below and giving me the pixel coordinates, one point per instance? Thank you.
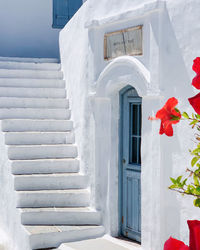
(131, 164)
(63, 11)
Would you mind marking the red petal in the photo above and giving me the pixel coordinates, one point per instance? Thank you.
(174, 244)
(194, 226)
(171, 103)
(166, 111)
(195, 102)
(162, 113)
(196, 81)
(162, 131)
(168, 129)
(166, 116)
(196, 65)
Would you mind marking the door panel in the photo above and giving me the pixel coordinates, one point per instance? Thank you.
(131, 165)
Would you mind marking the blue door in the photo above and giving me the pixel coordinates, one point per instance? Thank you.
(131, 164)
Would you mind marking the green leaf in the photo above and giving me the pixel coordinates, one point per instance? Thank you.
(197, 116)
(197, 202)
(184, 183)
(173, 180)
(178, 180)
(173, 186)
(185, 115)
(194, 161)
(197, 191)
(193, 122)
(196, 180)
(190, 189)
(196, 172)
(177, 110)
(175, 118)
(196, 150)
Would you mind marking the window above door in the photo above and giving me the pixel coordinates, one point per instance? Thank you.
(63, 11)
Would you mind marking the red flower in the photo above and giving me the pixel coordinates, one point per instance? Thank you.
(196, 81)
(196, 65)
(173, 244)
(196, 68)
(194, 226)
(195, 102)
(168, 116)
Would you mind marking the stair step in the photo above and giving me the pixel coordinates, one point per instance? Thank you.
(45, 166)
(32, 92)
(106, 243)
(28, 152)
(38, 138)
(31, 60)
(60, 216)
(50, 181)
(15, 102)
(35, 74)
(30, 113)
(53, 236)
(22, 125)
(53, 198)
(29, 65)
(31, 83)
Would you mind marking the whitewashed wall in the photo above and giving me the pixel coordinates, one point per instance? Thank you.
(171, 42)
(26, 29)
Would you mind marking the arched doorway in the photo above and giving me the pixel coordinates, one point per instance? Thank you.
(130, 163)
(122, 72)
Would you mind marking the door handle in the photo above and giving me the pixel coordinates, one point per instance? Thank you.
(123, 161)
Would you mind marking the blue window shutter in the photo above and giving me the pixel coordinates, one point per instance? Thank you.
(74, 5)
(63, 10)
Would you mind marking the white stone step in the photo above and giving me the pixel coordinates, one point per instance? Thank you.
(45, 166)
(60, 216)
(28, 152)
(106, 243)
(32, 83)
(35, 74)
(53, 198)
(18, 102)
(31, 113)
(31, 60)
(22, 125)
(53, 236)
(50, 181)
(33, 92)
(29, 65)
(39, 138)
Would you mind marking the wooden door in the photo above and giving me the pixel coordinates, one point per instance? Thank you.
(131, 164)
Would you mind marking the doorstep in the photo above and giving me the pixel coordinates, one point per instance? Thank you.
(106, 243)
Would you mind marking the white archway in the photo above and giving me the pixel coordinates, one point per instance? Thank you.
(118, 74)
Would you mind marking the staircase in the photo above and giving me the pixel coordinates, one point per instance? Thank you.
(52, 196)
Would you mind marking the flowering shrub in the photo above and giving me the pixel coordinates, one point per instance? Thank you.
(170, 115)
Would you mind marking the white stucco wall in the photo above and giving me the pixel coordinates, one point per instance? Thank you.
(171, 42)
(26, 29)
